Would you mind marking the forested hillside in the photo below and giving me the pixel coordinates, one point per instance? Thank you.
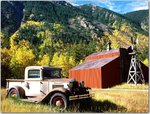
(60, 34)
(140, 17)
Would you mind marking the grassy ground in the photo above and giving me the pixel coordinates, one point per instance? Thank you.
(104, 101)
(123, 101)
(15, 105)
(131, 86)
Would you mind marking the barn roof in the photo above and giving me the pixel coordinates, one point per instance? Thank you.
(104, 54)
(94, 64)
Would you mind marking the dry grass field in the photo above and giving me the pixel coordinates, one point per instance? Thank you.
(131, 86)
(123, 101)
(105, 100)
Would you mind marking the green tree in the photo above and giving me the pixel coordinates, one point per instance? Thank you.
(5, 69)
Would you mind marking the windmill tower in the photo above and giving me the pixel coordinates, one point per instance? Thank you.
(135, 74)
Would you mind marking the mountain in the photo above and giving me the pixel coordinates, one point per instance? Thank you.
(105, 16)
(140, 17)
(54, 11)
(86, 16)
(11, 15)
(64, 13)
(79, 23)
(76, 23)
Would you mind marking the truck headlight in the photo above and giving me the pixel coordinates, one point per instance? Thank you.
(82, 84)
(70, 85)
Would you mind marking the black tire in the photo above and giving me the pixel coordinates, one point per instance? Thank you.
(13, 93)
(59, 100)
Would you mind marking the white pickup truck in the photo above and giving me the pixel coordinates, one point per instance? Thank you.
(43, 84)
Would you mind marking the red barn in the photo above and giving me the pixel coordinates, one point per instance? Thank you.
(104, 69)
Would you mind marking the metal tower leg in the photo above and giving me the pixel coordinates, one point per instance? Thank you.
(140, 73)
(135, 72)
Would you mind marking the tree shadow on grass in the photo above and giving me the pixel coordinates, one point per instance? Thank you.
(100, 106)
(89, 105)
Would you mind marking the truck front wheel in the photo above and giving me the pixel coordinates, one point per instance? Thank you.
(59, 100)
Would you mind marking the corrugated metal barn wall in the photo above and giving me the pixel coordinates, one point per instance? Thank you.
(99, 69)
(105, 69)
(145, 71)
(111, 74)
(91, 77)
(124, 63)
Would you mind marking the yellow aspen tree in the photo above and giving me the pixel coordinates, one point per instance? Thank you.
(45, 61)
(23, 56)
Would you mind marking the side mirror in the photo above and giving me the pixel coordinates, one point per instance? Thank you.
(27, 85)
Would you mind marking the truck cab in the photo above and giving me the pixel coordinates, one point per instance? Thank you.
(44, 78)
(45, 84)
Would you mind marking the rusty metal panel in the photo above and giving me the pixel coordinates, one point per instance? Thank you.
(90, 72)
(94, 64)
(91, 77)
(111, 74)
(145, 71)
(105, 74)
(101, 55)
(104, 69)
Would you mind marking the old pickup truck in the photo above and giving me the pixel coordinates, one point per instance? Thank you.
(43, 84)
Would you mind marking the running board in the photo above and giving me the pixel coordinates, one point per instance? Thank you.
(33, 99)
(27, 100)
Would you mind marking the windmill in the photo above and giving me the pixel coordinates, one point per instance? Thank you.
(135, 74)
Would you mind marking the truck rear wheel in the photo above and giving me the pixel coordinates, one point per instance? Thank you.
(13, 93)
(59, 100)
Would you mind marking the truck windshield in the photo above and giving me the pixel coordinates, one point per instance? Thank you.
(51, 73)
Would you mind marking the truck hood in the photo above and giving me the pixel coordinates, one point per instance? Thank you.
(62, 80)
(59, 82)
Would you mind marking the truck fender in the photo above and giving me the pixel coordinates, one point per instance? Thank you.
(56, 90)
(20, 90)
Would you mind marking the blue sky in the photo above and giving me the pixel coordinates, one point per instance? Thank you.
(119, 6)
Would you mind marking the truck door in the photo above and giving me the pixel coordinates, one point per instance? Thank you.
(33, 83)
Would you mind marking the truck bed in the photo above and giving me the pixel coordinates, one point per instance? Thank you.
(14, 83)
(15, 80)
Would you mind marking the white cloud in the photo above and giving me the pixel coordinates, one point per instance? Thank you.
(110, 5)
(139, 5)
(135, 6)
(75, 4)
(128, 6)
